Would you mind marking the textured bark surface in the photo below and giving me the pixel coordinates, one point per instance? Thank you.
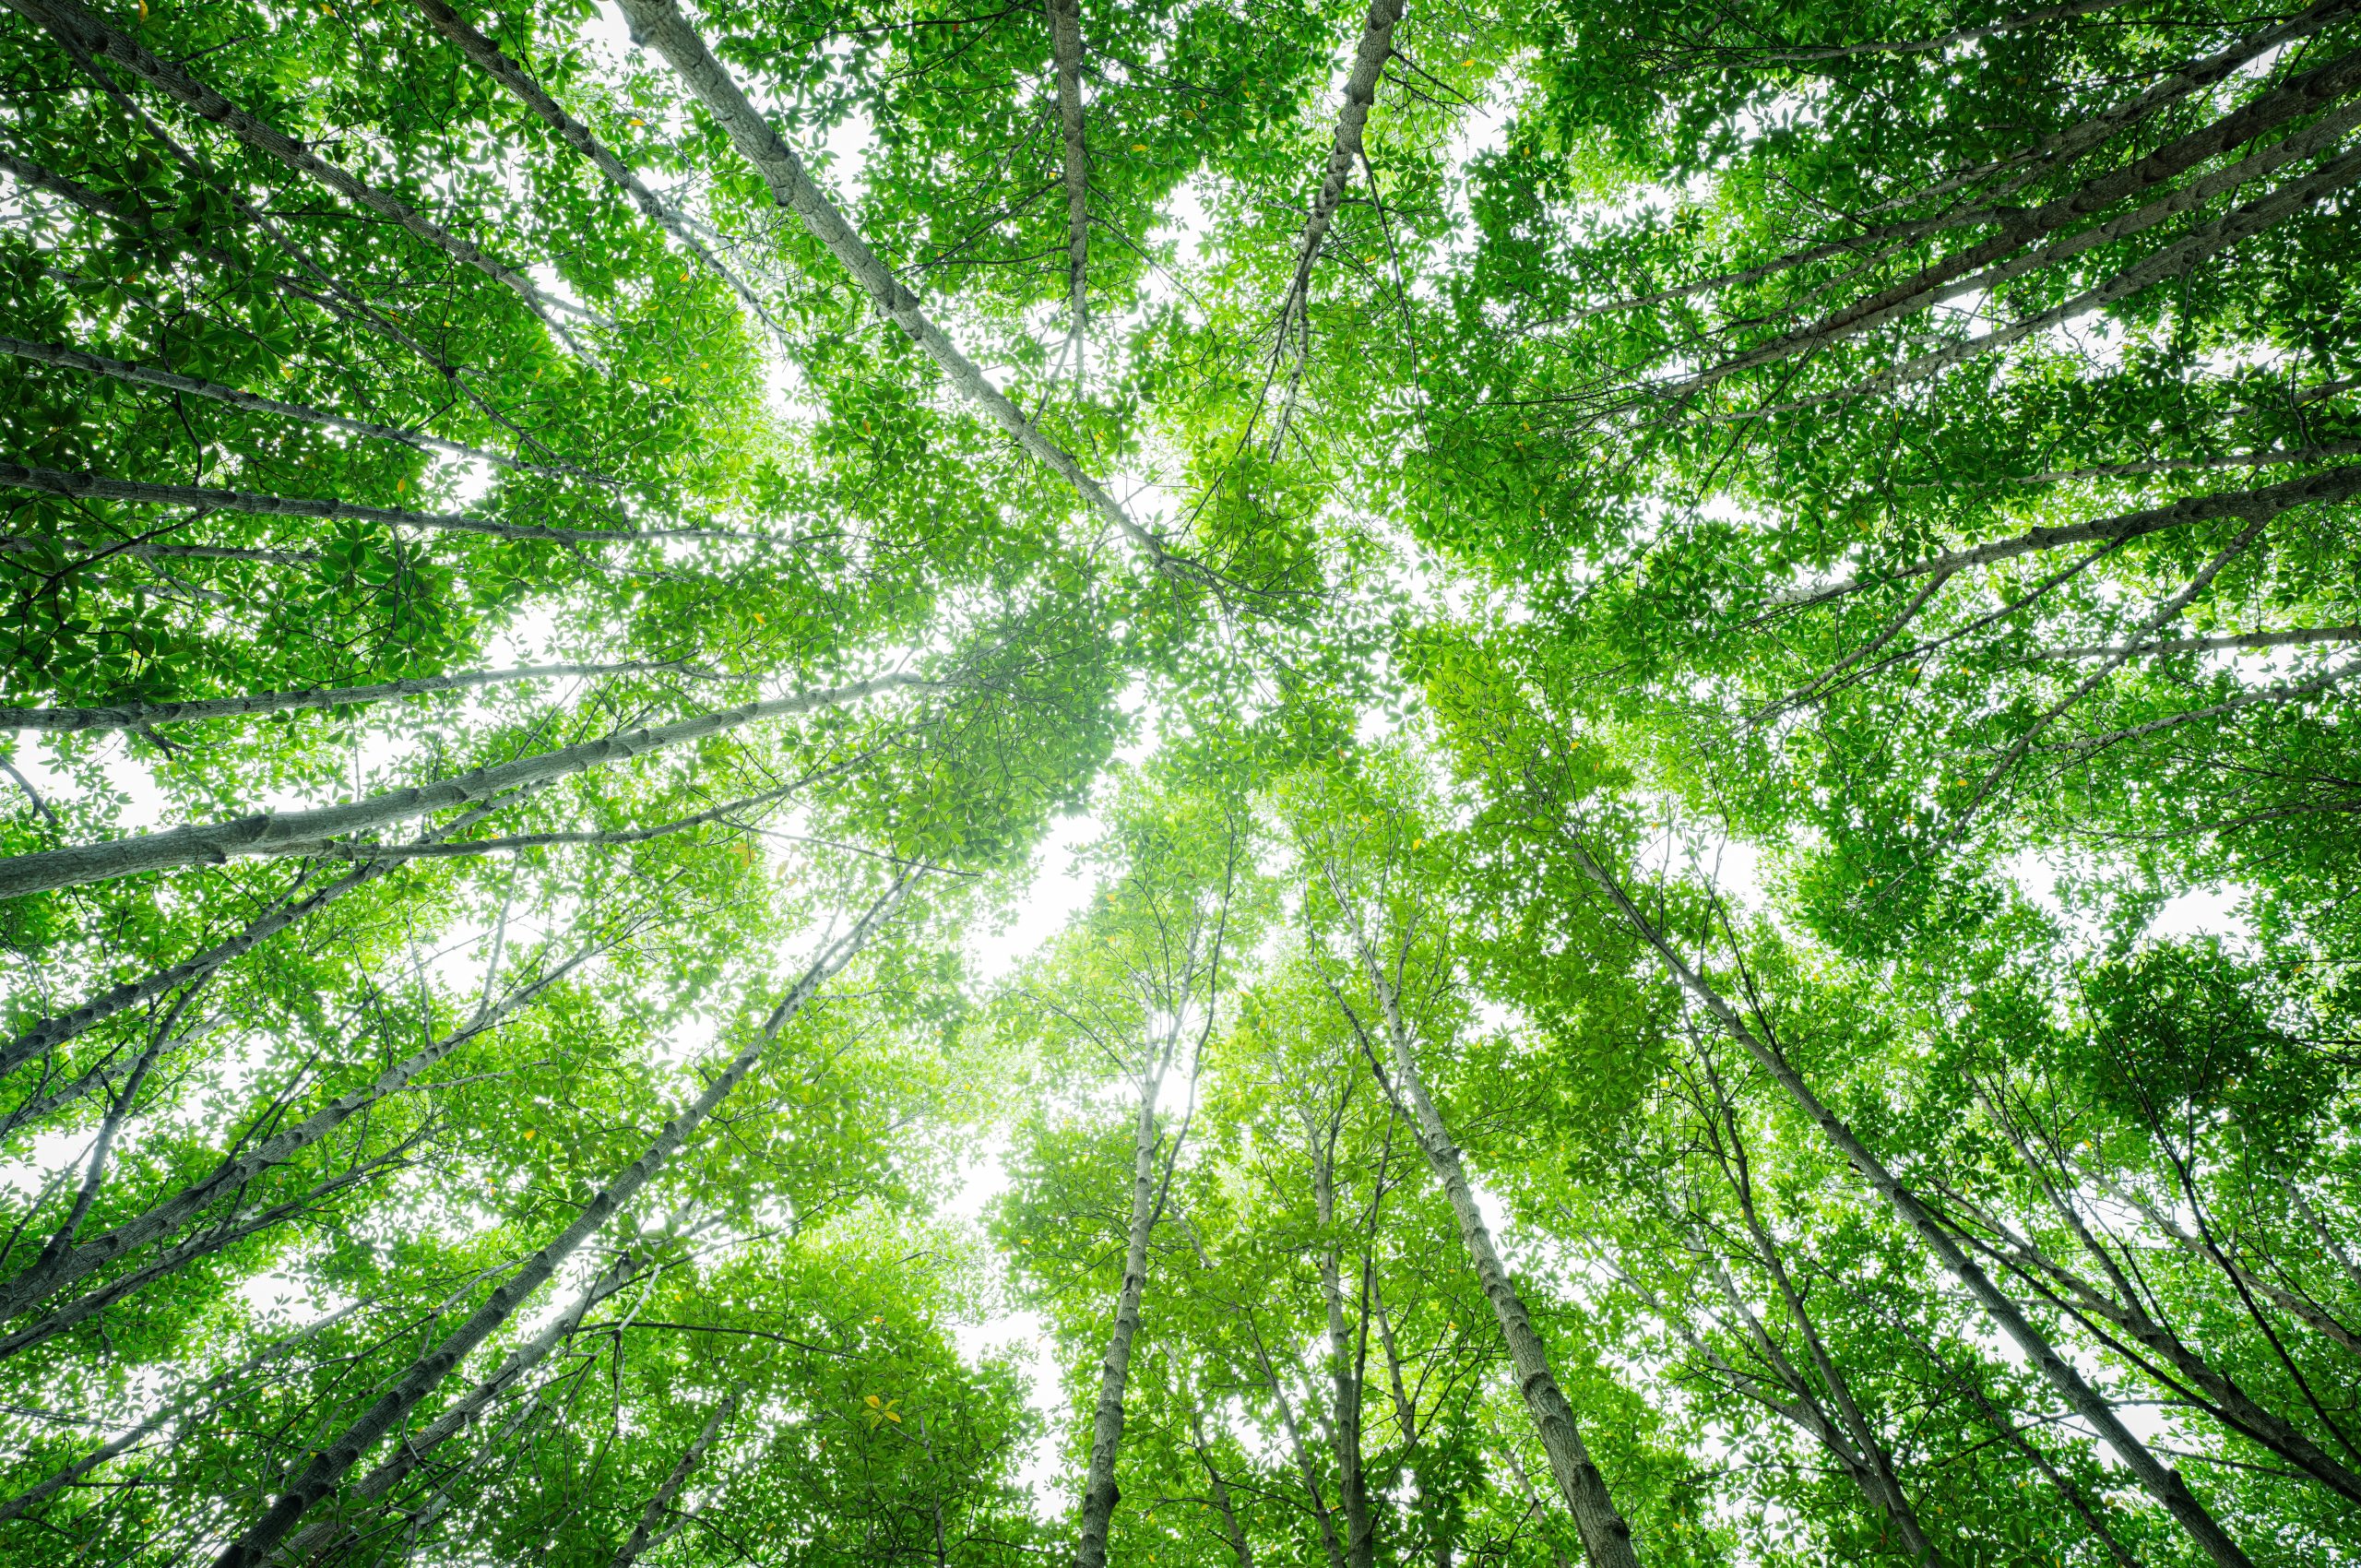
(1065, 38)
(1098, 1491)
(1606, 1538)
(628, 1553)
(1375, 49)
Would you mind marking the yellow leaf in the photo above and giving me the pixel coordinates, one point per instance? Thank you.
(528, 1131)
(1139, 146)
(894, 1418)
(871, 1401)
(637, 121)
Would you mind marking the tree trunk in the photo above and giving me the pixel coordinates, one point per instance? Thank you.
(205, 498)
(1098, 1490)
(1345, 1382)
(195, 386)
(628, 1553)
(1236, 1532)
(271, 833)
(1065, 38)
(1376, 47)
(134, 716)
(659, 22)
(2161, 1482)
(52, 1032)
(1606, 1538)
(327, 1465)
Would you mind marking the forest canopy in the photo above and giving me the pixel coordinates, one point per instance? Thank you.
(1179, 782)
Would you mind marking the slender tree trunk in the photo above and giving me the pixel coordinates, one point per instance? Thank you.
(227, 1233)
(1960, 273)
(271, 833)
(327, 1467)
(1606, 1538)
(1099, 1494)
(2174, 260)
(628, 1553)
(659, 23)
(1895, 1502)
(167, 1411)
(1232, 1528)
(2161, 1483)
(1065, 38)
(316, 1538)
(52, 1033)
(1376, 47)
(2249, 506)
(135, 716)
(1345, 1384)
(203, 498)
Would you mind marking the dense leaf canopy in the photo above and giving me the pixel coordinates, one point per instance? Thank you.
(1184, 782)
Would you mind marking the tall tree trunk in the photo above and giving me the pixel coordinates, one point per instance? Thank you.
(1098, 1490)
(1234, 1531)
(173, 1407)
(628, 1553)
(2161, 1482)
(271, 833)
(1607, 1538)
(209, 498)
(1376, 47)
(1345, 1382)
(327, 1465)
(659, 22)
(315, 1537)
(56, 1030)
(213, 391)
(137, 716)
(1065, 39)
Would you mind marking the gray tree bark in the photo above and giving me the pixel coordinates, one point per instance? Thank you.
(275, 832)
